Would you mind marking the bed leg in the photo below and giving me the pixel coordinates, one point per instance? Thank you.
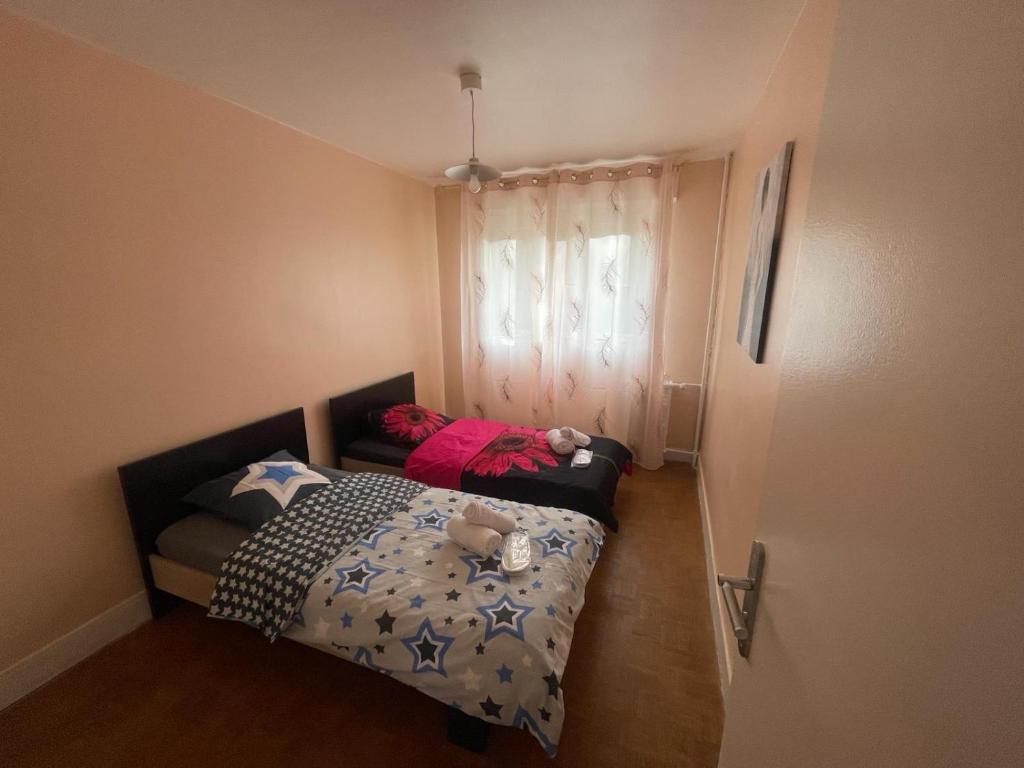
(467, 731)
(161, 603)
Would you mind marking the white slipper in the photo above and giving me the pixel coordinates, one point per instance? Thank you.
(582, 458)
(577, 437)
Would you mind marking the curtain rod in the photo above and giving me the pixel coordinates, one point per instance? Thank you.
(583, 167)
(577, 169)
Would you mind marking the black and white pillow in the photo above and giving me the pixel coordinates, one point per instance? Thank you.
(260, 491)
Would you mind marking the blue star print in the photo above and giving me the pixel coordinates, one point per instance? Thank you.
(365, 658)
(373, 539)
(357, 577)
(428, 649)
(279, 475)
(504, 617)
(553, 543)
(481, 568)
(432, 519)
(523, 719)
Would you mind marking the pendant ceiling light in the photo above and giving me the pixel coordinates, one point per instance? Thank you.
(474, 171)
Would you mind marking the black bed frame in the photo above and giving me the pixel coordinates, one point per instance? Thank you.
(153, 488)
(348, 411)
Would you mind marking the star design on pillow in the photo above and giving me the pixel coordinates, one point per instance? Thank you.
(280, 479)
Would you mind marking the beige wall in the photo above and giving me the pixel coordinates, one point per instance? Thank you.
(172, 266)
(889, 628)
(694, 231)
(448, 203)
(695, 226)
(741, 394)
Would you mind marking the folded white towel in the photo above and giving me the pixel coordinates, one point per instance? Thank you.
(559, 443)
(578, 438)
(476, 538)
(480, 514)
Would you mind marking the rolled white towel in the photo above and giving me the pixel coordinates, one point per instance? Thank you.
(559, 443)
(476, 538)
(480, 514)
(577, 437)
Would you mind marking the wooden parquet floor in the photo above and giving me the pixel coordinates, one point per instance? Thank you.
(641, 687)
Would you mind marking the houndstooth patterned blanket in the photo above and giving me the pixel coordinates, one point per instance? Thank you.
(264, 581)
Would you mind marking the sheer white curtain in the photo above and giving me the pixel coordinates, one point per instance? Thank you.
(564, 281)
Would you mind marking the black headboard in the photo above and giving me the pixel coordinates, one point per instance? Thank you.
(153, 487)
(348, 412)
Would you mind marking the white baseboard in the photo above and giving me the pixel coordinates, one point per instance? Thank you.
(714, 594)
(63, 653)
(675, 454)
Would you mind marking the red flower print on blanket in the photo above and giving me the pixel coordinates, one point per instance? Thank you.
(515, 447)
(412, 423)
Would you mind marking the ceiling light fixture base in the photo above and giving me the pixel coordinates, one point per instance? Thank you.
(471, 81)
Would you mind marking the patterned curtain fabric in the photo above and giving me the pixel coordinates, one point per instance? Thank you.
(564, 281)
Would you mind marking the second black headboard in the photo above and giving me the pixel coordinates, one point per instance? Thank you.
(348, 411)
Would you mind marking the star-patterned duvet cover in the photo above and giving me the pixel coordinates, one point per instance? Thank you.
(398, 596)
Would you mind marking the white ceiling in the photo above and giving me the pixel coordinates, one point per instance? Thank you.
(565, 81)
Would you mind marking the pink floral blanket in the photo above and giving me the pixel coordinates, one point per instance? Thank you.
(484, 448)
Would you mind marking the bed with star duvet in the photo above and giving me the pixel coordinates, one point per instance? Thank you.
(363, 569)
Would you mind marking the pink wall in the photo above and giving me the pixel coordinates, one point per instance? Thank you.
(889, 626)
(173, 266)
(448, 202)
(692, 258)
(741, 394)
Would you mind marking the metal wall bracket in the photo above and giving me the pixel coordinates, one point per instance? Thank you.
(743, 620)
